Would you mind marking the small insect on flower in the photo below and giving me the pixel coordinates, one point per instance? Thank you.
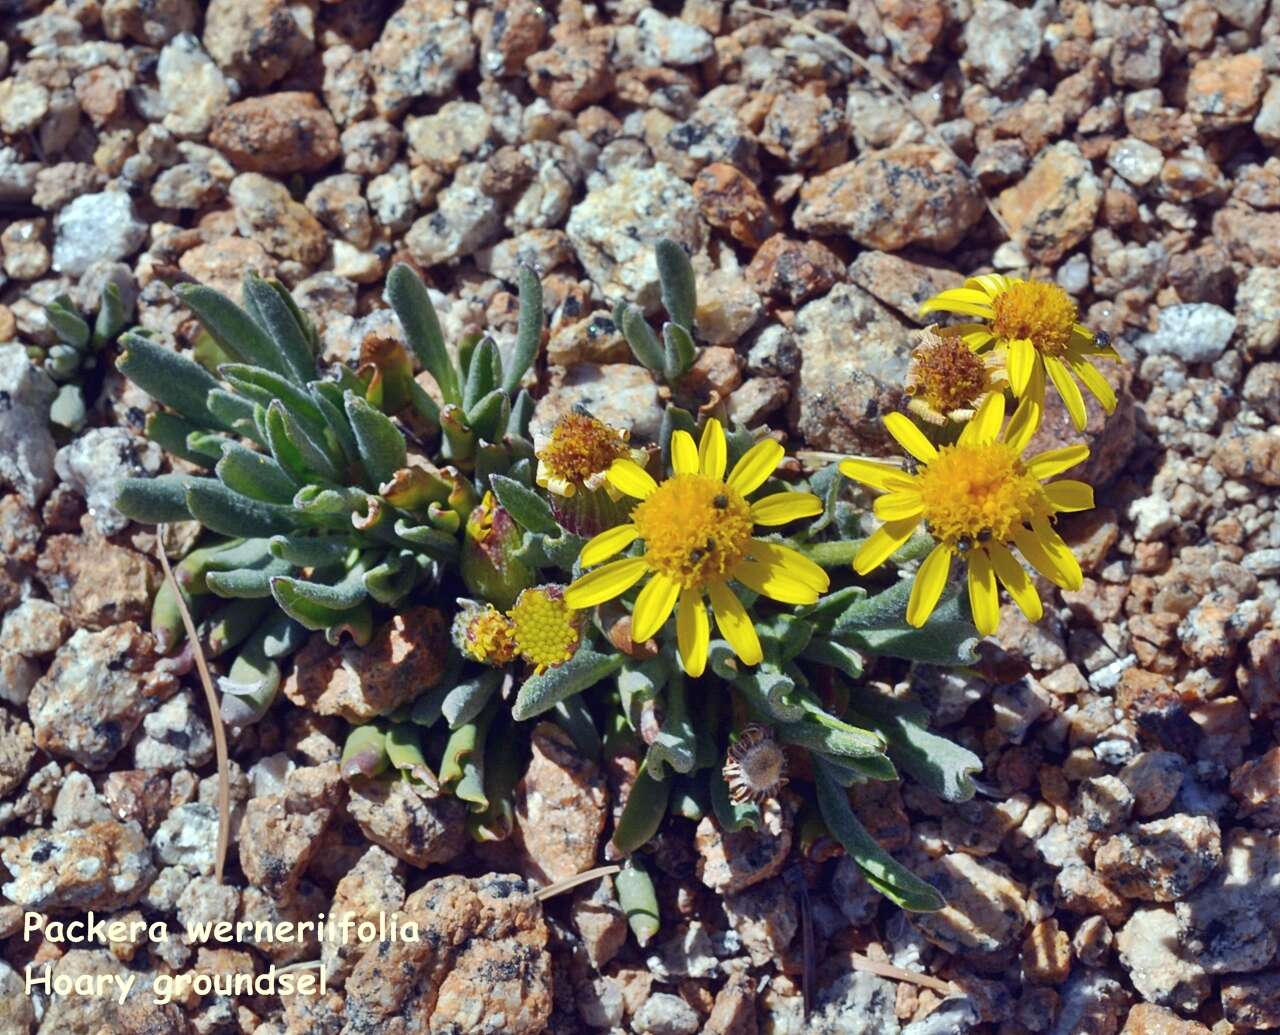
(484, 634)
(755, 765)
(979, 499)
(1033, 324)
(545, 630)
(946, 380)
(698, 533)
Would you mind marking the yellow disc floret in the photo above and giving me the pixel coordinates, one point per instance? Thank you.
(484, 635)
(977, 493)
(578, 453)
(545, 629)
(1035, 311)
(695, 529)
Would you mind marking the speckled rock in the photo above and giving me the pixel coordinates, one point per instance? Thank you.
(403, 69)
(730, 863)
(665, 1014)
(854, 357)
(97, 583)
(265, 212)
(277, 133)
(96, 227)
(222, 264)
(175, 736)
(850, 1000)
(408, 822)
(986, 910)
(915, 194)
(792, 270)
(1001, 41)
(901, 283)
(1225, 91)
(27, 448)
(277, 839)
(1149, 1019)
(1161, 861)
(405, 657)
(258, 41)
(613, 230)
(599, 920)
(95, 460)
(192, 87)
(17, 751)
(573, 72)
(1154, 778)
(623, 395)
(1162, 968)
(766, 918)
(148, 21)
(106, 865)
(96, 692)
(1229, 923)
(1196, 333)
(186, 841)
(561, 806)
(731, 202)
(465, 219)
(1252, 1002)
(480, 964)
(1052, 209)
(17, 1009)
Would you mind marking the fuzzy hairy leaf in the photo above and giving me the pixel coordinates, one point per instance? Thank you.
(528, 330)
(644, 343)
(223, 510)
(255, 475)
(678, 284)
(529, 510)
(280, 320)
(169, 378)
(154, 501)
(642, 814)
(382, 446)
(412, 304)
(234, 330)
(878, 624)
(584, 670)
(678, 351)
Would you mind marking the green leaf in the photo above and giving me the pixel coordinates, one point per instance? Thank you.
(111, 316)
(69, 325)
(526, 507)
(639, 901)
(574, 717)
(312, 551)
(836, 655)
(328, 396)
(255, 475)
(885, 873)
(236, 414)
(676, 744)
(308, 455)
(484, 373)
(154, 501)
(279, 319)
(731, 815)
(264, 386)
(878, 624)
(528, 332)
(390, 581)
(837, 739)
(678, 351)
(679, 287)
(382, 446)
(642, 814)
(404, 751)
(364, 755)
(232, 328)
(436, 544)
(489, 415)
(231, 624)
(312, 615)
(171, 379)
(468, 698)
(521, 414)
(341, 596)
(644, 343)
(219, 508)
(584, 670)
(170, 432)
(944, 767)
(409, 298)
(247, 583)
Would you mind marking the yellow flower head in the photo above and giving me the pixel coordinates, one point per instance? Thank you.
(697, 529)
(947, 380)
(484, 634)
(1034, 325)
(545, 630)
(979, 499)
(578, 453)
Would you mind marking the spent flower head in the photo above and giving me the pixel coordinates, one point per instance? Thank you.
(484, 634)
(947, 381)
(578, 453)
(1033, 324)
(698, 531)
(755, 766)
(980, 499)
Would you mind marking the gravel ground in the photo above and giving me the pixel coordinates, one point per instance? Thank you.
(1121, 870)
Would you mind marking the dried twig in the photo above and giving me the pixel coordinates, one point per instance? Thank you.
(215, 713)
(888, 970)
(888, 82)
(569, 883)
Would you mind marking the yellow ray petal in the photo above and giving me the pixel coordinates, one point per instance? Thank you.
(630, 478)
(1055, 461)
(1033, 550)
(1097, 384)
(653, 606)
(985, 425)
(712, 450)
(1014, 578)
(898, 505)
(1069, 494)
(734, 623)
(605, 583)
(976, 339)
(608, 543)
(984, 601)
(783, 507)
(791, 563)
(755, 466)
(684, 454)
(693, 632)
(884, 477)
(1068, 389)
(930, 581)
(1021, 361)
(1059, 552)
(883, 542)
(909, 437)
(992, 283)
(774, 582)
(966, 296)
(1023, 424)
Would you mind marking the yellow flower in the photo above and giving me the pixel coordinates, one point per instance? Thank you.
(979, 499)
(484, 634)
(545, 630)
(697, 528)
(946, 380)
(577, 455)
(1034, 324)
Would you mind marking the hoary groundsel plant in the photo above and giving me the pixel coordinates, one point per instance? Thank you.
(704, 605)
